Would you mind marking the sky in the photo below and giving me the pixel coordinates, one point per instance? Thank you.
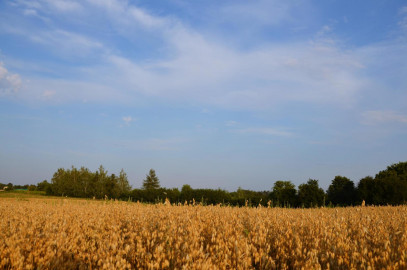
(214, 94)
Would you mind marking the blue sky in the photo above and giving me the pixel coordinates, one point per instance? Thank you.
(213, 94)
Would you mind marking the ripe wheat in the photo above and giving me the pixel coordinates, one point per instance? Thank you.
(69, 234)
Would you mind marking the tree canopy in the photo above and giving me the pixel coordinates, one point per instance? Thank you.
(84, 183)
(284, 193)
(341, 191)
(389, 186)
(310, 194)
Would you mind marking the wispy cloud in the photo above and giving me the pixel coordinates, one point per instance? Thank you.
(50, 5)
(258, 12)
(403, 20)
(191, 66)
(67, 42)
(266, 131)
(127, 120)
(62, 91)
(10, 83)
(383, 117)
(48, 94)
(64, 5)
(231, 123)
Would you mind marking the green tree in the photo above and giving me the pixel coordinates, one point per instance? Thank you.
(111, 187)
(187, 193)
(368, 191)
(41, 186)
(10, 187)
(341, 191)
(85, 178)
(101, 182)
(58, 182)
(151, 181)
(310, 194)
(284, 193)
(123, 184)
(392, 184)
(397, 171)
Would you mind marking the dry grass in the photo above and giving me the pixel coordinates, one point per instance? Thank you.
(69, 234)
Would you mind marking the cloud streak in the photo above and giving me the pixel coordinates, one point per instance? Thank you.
(383, 117)
(127, 120)
(192, 66)
(10, 83)
(265, 131)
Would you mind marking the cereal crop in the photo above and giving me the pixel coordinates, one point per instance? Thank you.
(86, 234)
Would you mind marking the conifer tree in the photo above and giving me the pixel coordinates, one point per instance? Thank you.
(151, 181)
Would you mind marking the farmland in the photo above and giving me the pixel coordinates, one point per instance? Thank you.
(37, 233)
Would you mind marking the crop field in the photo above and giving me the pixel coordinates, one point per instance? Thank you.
(40, 233)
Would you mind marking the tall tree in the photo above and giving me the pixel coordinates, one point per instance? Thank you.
(42, 185)
(310, 194)
(369, 191)
(111, 187)
(151, 181)
(397, 171)
(123, 182)
(284, 193)
(341, 191)
(187, 193)
(393, 183)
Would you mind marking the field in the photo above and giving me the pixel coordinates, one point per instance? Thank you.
(37, 233)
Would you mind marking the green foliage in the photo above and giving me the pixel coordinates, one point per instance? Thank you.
(396, 172)
(388, 187)
(84, 183)
(254, 198)
(310, 194)
(368, 191)
(155, 195)
(42, 186)
(10, 187)
(341, 191)
(151, 181)
(284, 194)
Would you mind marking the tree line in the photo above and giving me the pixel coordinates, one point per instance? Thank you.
(387, 187)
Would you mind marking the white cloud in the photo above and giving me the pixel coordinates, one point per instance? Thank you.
(126, 17)
(231, 123)
(382, 117)
(191, 66)
(263, 12)
(127, 120)
(10, 83)
(64, 5)
(266, 131)
(211, 73)
(32, 12)
(60, 42)
(145, 19)
(59, 91)
(403, 21)
(64, 41)
(48, 94)
(50, 5)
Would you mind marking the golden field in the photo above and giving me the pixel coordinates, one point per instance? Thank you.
(83, 234)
